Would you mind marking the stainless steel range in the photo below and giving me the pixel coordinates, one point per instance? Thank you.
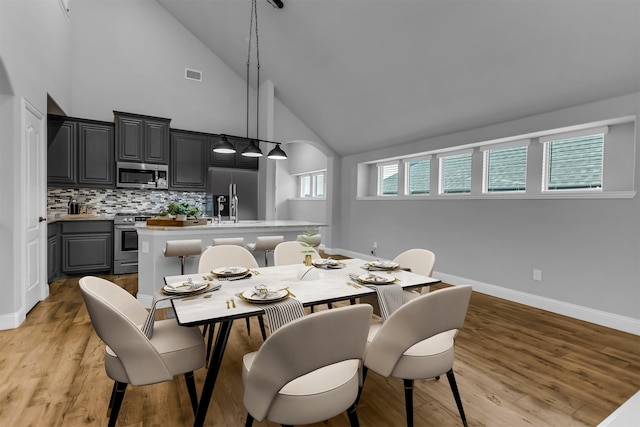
(125, 241)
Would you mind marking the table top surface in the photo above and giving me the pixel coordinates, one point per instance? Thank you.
(319, 286)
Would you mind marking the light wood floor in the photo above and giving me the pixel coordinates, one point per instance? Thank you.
(515, 366)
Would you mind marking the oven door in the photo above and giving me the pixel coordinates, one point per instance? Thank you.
(125, 249)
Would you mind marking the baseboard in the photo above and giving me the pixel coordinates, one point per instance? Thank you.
(602, 318)
(12, 320)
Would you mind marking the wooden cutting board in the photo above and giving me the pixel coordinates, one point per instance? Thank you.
(172, 222)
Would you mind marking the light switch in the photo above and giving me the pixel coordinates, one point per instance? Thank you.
(145, 247)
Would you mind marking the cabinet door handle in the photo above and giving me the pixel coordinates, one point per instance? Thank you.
(42, 219)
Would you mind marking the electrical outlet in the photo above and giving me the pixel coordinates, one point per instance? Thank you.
(145, 247)
(373, 248)
(537, 275)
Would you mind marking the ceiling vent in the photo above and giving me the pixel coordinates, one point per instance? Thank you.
(190, 74)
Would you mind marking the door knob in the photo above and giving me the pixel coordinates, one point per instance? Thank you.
(42, 219)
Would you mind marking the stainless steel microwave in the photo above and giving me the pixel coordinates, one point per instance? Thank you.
(142, 175)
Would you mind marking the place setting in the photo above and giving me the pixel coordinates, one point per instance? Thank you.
(381, 265)
(229, 273)
(279, 305)
(328, 263)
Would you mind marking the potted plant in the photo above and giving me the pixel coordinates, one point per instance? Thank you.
(307, 240)
(181, 210)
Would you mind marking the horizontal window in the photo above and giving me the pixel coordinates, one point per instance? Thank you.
(388, 179)
(455, 173)
(505, 169)
(312, 185)
(418, 175)
(574, 163)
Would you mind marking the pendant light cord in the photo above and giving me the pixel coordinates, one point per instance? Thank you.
(254, 15)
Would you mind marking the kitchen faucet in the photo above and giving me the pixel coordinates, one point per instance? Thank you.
(221, 200)
(233, 203)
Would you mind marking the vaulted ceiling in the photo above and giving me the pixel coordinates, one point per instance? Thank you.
(366, 74)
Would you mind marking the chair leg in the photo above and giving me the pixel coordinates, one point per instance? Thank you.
(116, 402)
(249, 421)
(408, 401)
(353, 416)
(456, 395)
(191, 388)
(364, 377)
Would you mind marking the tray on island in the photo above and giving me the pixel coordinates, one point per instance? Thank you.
(172, 222)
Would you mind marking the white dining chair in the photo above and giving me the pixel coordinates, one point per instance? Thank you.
(238, 241)
(292, 252)
(295, 379)
(130, 356)
(420, 261)
(417, 341)
(228, 256)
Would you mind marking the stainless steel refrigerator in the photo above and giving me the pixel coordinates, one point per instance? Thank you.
(246, 182)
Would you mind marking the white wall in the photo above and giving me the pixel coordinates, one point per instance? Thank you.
(34, 60)
(588, 250)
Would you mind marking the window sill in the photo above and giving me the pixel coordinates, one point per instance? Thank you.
(307, 199)
(518, 196)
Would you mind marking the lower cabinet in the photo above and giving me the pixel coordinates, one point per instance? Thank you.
(86, 247)
(53, 252)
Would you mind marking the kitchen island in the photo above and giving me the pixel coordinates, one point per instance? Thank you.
(153, 266)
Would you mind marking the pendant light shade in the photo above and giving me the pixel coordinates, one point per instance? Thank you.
(252, 150)
(223, 146)
(277, 153)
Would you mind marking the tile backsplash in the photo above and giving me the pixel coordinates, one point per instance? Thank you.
(111, 201)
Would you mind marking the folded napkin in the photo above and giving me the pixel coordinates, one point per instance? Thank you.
(283, 312)
(389, 298)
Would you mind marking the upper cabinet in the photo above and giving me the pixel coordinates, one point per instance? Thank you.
(189, 165)
(236, 160)
(141, 139)
(80, 152)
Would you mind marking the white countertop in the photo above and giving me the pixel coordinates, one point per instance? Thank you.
(228, 226)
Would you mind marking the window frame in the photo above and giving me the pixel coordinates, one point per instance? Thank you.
(313, 182)
(380, 180)
(407, 175)
(547, 142)
(441, 171)
(486, 153)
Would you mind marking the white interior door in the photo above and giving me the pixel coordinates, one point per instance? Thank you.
(35, 286)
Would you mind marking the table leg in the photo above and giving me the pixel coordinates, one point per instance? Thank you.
(212, 372)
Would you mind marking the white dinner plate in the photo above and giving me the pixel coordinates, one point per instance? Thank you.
(230, 271)
(386, 265)
(327, 263)
(251, 295)
(375, 279)
(185, 287)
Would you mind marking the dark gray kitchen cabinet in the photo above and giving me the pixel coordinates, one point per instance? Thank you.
(53, 252)
(142, 139)
(188, 166)
(61, 151)
(236, 160)
(86, 247)
(80, 152)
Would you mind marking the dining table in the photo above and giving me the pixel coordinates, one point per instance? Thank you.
(311, 286)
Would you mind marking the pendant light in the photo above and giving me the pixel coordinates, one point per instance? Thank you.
(253, 149)
(223, 146)
(277, 153)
